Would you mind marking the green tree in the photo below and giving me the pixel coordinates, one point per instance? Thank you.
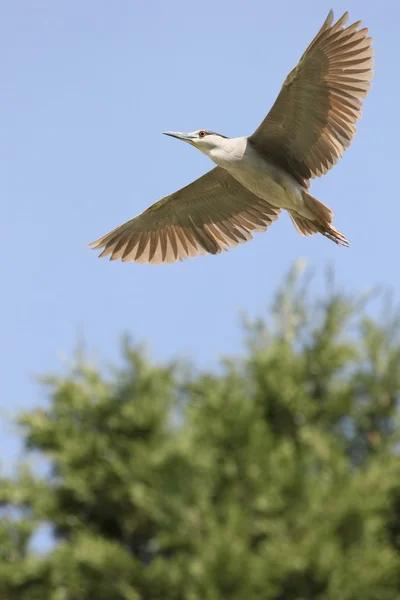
(276, 478)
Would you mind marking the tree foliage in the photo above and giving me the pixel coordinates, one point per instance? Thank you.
(275, 478)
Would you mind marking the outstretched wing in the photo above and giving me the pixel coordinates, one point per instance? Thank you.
(313, 119)
(210, 214)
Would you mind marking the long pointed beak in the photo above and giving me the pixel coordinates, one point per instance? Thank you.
(186, 137)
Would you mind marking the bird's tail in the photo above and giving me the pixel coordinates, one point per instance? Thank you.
(320, 223)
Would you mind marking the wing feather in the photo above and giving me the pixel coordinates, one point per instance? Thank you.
(211, 214)
(313, 119)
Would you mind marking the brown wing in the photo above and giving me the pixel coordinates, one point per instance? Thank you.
(313, 119)
(207, 216)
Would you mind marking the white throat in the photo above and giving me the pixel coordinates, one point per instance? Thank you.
(228, 151)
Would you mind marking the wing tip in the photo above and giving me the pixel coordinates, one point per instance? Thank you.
(92, 245)
(329, 19)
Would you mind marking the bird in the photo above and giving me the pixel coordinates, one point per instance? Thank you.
(305, 133)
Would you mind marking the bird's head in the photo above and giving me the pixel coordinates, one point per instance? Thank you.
(204, 140)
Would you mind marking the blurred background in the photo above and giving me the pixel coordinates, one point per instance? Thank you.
(201, 458)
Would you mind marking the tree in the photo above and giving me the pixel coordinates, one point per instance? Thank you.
(276, 478)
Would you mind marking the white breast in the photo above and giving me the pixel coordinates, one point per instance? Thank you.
(264, 179)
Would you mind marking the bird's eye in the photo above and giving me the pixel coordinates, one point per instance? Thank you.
(202, 134)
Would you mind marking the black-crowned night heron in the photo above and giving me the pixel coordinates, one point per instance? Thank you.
(305, 133)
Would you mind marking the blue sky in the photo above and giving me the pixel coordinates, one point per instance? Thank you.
(87, 89)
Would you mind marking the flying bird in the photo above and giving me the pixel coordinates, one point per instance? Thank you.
(303, 136)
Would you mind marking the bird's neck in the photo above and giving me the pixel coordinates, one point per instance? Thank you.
(228, 151)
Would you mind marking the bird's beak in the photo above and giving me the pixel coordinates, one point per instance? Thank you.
(186, 137)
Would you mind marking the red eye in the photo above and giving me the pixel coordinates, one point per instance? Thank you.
(202, 133)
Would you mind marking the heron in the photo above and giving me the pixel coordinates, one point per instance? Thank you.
(303, 136)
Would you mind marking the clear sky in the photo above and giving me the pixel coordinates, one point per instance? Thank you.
(87, 88)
